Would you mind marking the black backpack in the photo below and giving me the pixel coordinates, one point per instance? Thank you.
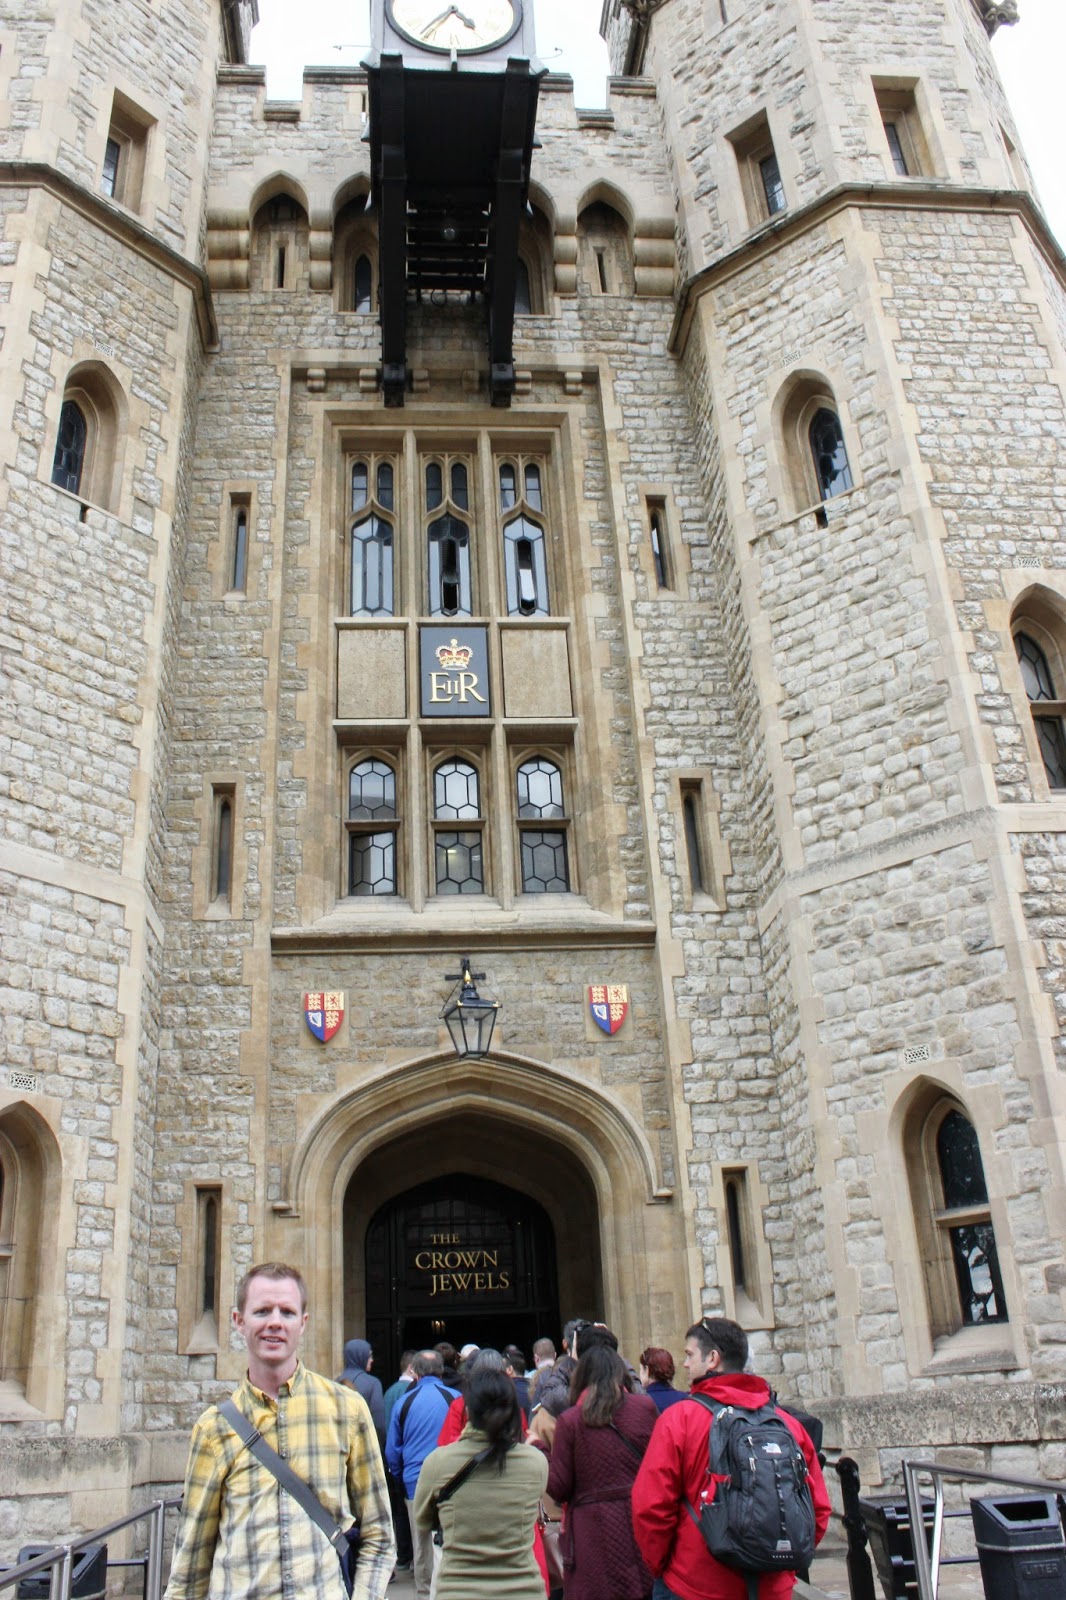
(761, 1518)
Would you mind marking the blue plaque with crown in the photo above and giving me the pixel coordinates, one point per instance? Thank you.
(455, 672)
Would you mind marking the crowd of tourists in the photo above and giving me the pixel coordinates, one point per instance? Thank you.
(594, 1510)
(583, 1479)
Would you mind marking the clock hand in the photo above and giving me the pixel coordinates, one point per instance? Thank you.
(430, 26)
(465, 20)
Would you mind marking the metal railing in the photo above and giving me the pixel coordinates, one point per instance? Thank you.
(60, 1559)
(927, 1556)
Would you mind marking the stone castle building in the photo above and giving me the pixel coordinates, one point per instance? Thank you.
(762, 576)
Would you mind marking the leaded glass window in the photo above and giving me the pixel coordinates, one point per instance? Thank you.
(69, 461)
(458, 855)
(966, 1222)
(829, 452)
(1040, 687)
(773, 187)
(372, 828)
(545, 866)
(448, 541)
(371, 542)
(525, 558)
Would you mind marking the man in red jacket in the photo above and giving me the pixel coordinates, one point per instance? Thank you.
(675, 1470)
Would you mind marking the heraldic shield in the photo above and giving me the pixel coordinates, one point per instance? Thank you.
(324, 1011)
(609, 1004)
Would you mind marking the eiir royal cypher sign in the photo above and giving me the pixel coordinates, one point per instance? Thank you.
(454, 664)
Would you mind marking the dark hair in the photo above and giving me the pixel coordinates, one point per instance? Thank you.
(448, 1353)
(571, 1328)
(517, 1359)
(659, 1362)
(592, 1334)
(728, 1338)
(492, 1406)
(279, 1272)
(600, 1375)
(427, 1363)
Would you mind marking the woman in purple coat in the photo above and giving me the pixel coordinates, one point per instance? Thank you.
(598, 1446)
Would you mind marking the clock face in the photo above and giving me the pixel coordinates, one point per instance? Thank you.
(460, 25)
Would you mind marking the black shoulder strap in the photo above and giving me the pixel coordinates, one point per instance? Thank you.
(405, 1406)
(460, 1477)
(629, 1443)
(290, 1481)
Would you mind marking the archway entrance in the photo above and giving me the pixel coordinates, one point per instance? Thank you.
(499, 1198)
(459, 1258)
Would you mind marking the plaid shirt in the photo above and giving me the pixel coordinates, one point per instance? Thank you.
(242, 1537)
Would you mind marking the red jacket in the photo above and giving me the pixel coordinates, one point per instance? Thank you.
(675, 1469)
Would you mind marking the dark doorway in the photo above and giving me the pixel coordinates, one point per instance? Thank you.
(463, 1259)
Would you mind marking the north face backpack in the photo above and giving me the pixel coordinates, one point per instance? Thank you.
(761, 1518)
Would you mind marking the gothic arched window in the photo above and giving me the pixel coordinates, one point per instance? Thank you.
(371, 537)
(829, 454)
(1045, 705)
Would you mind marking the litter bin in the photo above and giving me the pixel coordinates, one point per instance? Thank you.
(88, 1577)
(888, 1532)
(1021, 1546)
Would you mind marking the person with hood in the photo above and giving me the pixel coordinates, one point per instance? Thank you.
(673, 1474)
(358, 1360)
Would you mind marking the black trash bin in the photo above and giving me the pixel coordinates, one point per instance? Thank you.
(1021, 1546)
(88, 1578)
(888, 1532)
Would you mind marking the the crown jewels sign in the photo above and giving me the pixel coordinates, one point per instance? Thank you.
(455, 672)
(609, 1005)
(324, 1012)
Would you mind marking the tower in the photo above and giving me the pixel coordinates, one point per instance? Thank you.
(708, 696)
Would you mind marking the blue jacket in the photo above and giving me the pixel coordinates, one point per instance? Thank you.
(413, 1428)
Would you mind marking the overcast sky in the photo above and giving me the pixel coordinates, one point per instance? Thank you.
(1031, 56)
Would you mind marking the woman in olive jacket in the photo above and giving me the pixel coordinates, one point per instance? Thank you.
(487, 1522)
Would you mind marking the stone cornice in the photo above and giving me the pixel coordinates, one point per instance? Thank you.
(341, 934)
(123, 227)
(916, 194)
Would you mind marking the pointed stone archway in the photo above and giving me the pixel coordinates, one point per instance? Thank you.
(570, 1146)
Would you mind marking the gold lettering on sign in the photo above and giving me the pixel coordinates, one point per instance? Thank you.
(461, 1271)
(444, 687)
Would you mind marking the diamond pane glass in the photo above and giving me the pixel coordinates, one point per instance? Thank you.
(959, 1155)
(830, 454)
(459, 868)
(540, 789)
(371, 792)
(973, 1250)
(372, 863)
(1036, 674)
(456, 791)
(1053, 749)
(449, 568)
(544, 865)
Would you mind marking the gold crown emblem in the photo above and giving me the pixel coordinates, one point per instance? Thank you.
(454, 657)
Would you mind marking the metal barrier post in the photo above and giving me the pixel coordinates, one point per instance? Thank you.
(153, 1576)
(922, 1565)
(860, 1570)
(65, 1567)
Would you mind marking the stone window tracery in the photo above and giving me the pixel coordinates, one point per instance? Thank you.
(1046, 705)
(448, 535)
(524, 543)
(371, 536)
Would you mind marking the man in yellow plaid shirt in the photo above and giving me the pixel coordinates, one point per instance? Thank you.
(242, 1536)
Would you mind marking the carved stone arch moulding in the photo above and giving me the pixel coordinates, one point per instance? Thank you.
(641, 1242)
